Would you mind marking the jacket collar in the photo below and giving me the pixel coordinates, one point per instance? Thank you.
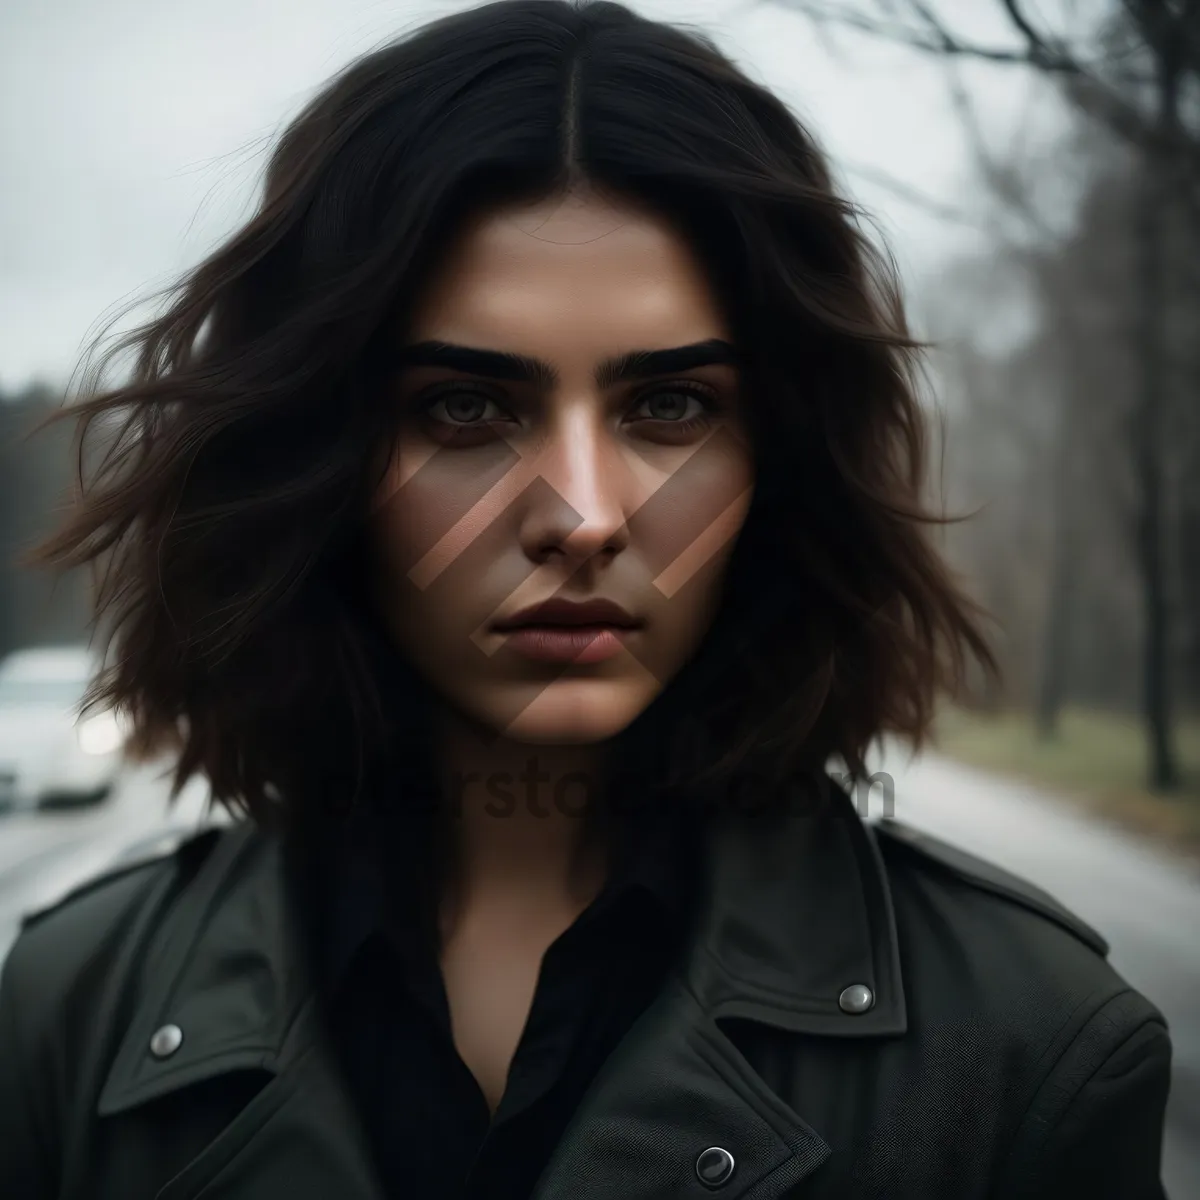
(793, 910)
(797, 910)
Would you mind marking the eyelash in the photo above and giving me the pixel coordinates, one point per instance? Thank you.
(701, 392)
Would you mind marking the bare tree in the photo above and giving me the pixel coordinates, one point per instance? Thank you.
(1161, 178)
(1137, 73)
(1111, 70)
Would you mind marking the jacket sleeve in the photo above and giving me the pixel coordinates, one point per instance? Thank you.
(26, 1159)
(1096, 1126)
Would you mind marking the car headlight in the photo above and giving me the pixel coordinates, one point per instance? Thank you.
(101, 734)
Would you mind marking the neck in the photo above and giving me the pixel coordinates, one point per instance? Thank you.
(521, 820)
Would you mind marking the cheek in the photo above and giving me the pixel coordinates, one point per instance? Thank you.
(700, 565)
(400, 526)
(434, 503)
(690, 582)
(689, 529)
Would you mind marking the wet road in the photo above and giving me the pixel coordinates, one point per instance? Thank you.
(1145, 903)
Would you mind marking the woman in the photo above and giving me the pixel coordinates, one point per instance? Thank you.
(511, 522)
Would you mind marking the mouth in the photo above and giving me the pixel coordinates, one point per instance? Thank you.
(566, 631)
(569, 614)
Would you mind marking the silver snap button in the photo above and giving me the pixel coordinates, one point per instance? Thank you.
(714, 1167)
(857, 998)
(166, 1041)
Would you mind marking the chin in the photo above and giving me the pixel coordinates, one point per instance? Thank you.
(572, 712)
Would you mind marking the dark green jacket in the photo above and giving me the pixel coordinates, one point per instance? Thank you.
(997, 1055)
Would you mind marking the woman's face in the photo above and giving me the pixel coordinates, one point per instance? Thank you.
(571, 430)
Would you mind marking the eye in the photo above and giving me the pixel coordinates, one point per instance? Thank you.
(680, 403)
(463, 407)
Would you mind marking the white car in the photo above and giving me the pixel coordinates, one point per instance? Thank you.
(48, 755)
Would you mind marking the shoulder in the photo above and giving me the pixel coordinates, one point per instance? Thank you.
(100, 901)
(137, 864)
(1007, 987)
(66, 990)
(986, 952)
(70, 952)
(981, 946)
(947, 869)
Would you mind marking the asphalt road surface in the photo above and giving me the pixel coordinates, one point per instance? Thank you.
(1146, 903)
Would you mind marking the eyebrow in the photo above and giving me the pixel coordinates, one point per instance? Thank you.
(519, 368)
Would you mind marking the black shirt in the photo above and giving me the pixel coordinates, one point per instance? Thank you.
(423, 1111)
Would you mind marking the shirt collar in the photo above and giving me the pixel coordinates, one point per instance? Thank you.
(354, 876)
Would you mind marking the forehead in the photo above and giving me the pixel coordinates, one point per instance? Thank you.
(573, 275)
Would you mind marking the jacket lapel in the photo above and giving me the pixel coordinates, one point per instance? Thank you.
(675, 1089)
(227, 969)
(299, 1137)
(794, 910)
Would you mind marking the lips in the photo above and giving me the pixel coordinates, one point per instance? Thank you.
(562, 613)
(567, 631)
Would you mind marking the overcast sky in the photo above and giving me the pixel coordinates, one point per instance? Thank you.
(133, 133)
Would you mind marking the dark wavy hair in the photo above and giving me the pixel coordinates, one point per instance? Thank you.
(224, 512)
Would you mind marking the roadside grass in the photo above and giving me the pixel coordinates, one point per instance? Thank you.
(1097, 760)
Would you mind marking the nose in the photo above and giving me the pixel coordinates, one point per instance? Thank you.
(577, 508)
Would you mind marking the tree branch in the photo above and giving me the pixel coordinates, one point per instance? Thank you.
(936, 39)
(912, 195)
(1155, 25)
